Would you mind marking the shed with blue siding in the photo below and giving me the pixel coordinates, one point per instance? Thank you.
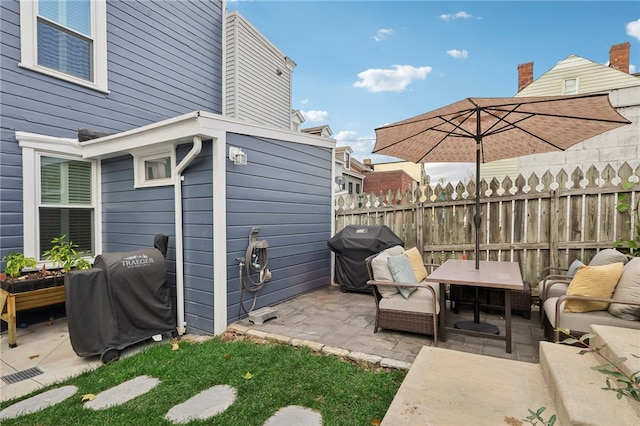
(284, 189)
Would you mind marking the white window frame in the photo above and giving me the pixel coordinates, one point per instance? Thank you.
(29, 45)
(140, 157)
(33, 147)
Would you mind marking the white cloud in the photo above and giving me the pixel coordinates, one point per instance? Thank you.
(633, 29)
(345, 137)
(632, 69)
(391, 80)
(315, 116)
(361, 145)
(382, 34)
(304, 101)
(459, 15)
(458, 54)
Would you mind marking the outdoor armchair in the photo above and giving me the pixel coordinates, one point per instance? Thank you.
(416, 313)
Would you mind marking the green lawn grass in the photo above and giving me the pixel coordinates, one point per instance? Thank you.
(344, 392)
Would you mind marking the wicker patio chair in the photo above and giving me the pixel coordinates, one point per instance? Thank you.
(391, 313)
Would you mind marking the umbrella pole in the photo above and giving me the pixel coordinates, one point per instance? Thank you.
(476, 325)
(477, 218)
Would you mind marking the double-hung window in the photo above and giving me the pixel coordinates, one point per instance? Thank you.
(65, 39)
(66, 204)
(60, 194)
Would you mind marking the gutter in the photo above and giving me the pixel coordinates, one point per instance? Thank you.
(191, 155)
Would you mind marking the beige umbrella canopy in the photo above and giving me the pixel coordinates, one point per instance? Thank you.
(489, 129)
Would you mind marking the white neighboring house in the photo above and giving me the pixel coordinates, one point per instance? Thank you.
(577, 75)
(258, 77)
(349, 173)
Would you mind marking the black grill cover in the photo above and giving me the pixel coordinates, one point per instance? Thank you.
(90, 317)
(352, 245)
(122, 300)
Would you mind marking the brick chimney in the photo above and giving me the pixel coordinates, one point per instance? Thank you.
(525, 75)
(619, 57)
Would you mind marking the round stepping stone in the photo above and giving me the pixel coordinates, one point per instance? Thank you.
(204, 405)
(122, 393)
(295, 415)
(38, 402)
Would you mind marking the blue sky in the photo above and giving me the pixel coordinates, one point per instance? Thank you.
(364, 64)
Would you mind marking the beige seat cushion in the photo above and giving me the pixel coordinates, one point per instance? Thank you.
(593, 281)
(419, 301)
(628, 288)
(583, 321)
(556, 290)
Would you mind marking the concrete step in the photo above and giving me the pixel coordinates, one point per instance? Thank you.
(576, 388)
(446, 387)
(617, 342)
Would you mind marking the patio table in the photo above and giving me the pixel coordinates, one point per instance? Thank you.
(491, 274)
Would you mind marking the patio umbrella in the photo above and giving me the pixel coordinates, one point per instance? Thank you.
(489, 129)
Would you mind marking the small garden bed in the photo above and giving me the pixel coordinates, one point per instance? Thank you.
(22, 287)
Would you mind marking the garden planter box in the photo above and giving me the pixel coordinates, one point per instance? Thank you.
(22, 294)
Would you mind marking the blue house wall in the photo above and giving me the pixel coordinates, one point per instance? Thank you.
(164, 59)
(285, 190)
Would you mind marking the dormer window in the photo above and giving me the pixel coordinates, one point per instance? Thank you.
(347, 160)
(570, 86)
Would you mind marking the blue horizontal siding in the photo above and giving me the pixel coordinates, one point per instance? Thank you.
(164, 60)
(197, 228)
(285, 190)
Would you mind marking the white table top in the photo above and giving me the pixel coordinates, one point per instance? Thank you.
(493, 274)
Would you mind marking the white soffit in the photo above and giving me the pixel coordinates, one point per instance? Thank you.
(183, 128)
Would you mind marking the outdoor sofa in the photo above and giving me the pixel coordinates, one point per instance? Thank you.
(607, 294)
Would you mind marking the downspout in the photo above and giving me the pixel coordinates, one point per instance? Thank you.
(193, 153)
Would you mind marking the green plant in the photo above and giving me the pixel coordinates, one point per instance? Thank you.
(16, 262)
(536, 416)
(618, 381)
(63, 254)
(624, 206)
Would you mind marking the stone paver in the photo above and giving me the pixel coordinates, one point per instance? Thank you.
(38, 402)
(122, 393)
(204, 405)
(294, 415)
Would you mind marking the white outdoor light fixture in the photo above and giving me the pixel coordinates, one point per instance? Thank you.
(238, 157)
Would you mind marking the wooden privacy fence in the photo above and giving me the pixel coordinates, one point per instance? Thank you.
(537, 222)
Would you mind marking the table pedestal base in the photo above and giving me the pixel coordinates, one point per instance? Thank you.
(481, 327)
